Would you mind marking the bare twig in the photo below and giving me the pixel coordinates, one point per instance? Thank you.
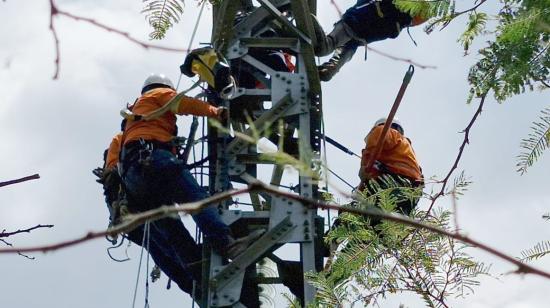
(392, 57)
(465, 141)
(54, 10)
(337, 8)
(11, 245)
(27, 178)
(8, 234)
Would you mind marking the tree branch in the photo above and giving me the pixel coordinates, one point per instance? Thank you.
(133, 221)
(27, 178)
(392, 57)
(54, 10)
(8, 234)
(165, 211)
(522, 268)
(11, 245)
(337, 8)
(466, 141)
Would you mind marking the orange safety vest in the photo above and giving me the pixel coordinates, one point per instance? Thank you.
(163, 128)
(397, 155)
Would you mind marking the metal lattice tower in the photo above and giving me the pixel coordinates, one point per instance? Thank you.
(251, 38)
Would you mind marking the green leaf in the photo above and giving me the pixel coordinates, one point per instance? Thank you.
(476, 25)
(536, 143)
(537, 252)
(162, 15)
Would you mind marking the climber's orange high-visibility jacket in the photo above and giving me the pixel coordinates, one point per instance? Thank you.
(113, 152)
(163, 128)
(397, 155)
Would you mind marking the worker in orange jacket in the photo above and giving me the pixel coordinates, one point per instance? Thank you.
(182, 267)
(153, 175)
(366, 22)
(397, 160)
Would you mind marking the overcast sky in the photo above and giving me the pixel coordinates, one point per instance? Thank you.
(59, 128)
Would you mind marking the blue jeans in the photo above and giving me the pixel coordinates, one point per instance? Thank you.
(165, 181)
(365, 21)
(181, 267)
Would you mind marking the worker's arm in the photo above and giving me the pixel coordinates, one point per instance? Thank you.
(113, 152)
(192, 106)
(390, 141)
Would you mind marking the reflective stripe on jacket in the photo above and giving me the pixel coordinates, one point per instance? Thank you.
(163, 128)
(397, 154)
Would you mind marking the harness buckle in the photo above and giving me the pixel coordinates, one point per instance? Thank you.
(145, 152)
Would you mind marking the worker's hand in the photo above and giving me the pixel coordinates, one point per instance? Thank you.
(223, 114)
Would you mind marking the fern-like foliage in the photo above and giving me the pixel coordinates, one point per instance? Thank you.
(536, 143)
(460, 185)
(292, 301)
(328, 294)
(518, 57)
(475, 27)
(426, 8)
(162, 15)
(374, 259)
(515, 58)
(537, 252)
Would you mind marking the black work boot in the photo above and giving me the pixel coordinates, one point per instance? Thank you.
(341, 56)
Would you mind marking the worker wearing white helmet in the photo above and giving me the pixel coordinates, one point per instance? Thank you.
(397, 160)
(156, 81)
(154, 176)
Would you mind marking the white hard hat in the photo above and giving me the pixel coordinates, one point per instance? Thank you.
(156, 79)
(394, 122)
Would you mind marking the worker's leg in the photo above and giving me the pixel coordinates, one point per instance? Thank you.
(173, 183)
(341, 56)
(340, 35)
(183, 254)
(165, 257)
(166, 181)
(209, 220)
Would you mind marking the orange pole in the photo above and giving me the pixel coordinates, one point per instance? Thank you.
(389, 120)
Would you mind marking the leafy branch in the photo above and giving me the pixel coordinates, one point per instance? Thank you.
(536, 143)
(537, 252)
(162, 15)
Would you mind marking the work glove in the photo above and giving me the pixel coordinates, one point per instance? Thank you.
(223, 115)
